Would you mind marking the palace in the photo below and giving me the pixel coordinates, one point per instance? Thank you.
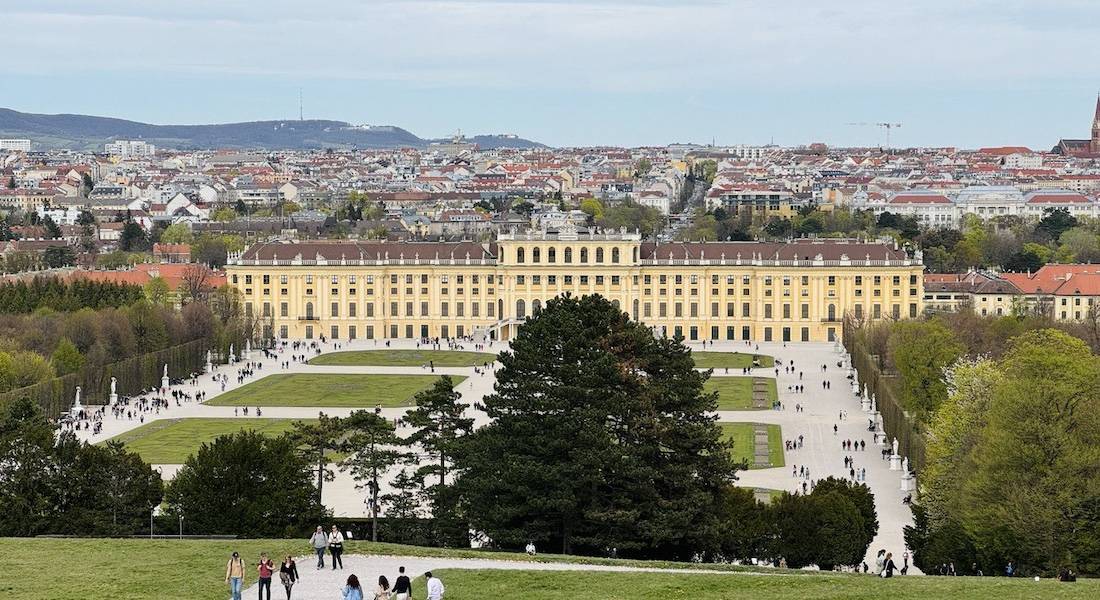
(797, 291)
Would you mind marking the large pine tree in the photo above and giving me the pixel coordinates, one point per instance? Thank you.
(601, 437)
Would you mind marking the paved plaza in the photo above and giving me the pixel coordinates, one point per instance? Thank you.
(822, 408)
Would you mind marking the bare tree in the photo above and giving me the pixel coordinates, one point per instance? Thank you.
(195, 285)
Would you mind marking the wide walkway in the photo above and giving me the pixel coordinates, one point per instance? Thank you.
(821, 452)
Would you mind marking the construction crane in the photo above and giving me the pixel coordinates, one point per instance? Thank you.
(885, 126)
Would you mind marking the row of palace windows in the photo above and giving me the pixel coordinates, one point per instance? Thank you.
(490, 278)
(424, 330)
(567, 255)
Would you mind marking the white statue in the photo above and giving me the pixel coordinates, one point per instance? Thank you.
(905, 466)
(165, 369)
(76, 404)
(895, 446)
(209, 357)
(114, 386)
(874, 406)
(232, 355)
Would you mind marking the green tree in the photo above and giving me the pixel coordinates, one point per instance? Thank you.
(53, 230)
(66, 358)
(404, 523)
(317, 443)
(1032, 492)
(157, 291)
(593, 208)
(440, 424)
(921, 351)
(56, 257)
(1055, 222)
(246, 484)
(176, 233)
(132, 237)
(601, 435)
(26, 442)
(372, 444)
(85, 218)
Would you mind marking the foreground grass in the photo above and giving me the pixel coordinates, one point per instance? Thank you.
(404, 358)
(729, 360)
(743, 435)
(735, 393)
(557, 585)
(171, 441)
(335, 390)
(139, 569)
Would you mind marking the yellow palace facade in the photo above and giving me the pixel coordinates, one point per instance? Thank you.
(796, 291)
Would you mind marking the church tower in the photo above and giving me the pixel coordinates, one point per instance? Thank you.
(1094, 143)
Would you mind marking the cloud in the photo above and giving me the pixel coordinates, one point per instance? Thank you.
(599, 45)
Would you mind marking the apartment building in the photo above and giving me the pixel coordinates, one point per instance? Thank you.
(797, 291)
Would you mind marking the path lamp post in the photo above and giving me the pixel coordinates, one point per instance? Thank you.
(181, 524)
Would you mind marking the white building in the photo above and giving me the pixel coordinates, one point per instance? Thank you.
(130, 149)
(990, 201)
(15, 145)
(931, 208)
(1078, 205)
(1022, 161)
(654, 199)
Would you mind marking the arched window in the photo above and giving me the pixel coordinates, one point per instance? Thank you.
(599, 255)
(309, 310)
(521, 310)
(614, 255)
(635, 254)
(536, 306)
(568, 255)
(536, 254)
(832, 312)
(584, 255)
(519, 255)
(635, 311)
(500, 309)
(552, 255)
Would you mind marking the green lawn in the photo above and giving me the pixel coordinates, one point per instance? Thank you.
(557, 585)
(139, 569)
(336, 390)
(742, 436)
(729, 360)
(405, 358)
(171, 441)
(735, 393)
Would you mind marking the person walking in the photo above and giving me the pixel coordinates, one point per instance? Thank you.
(265, 568)
(288, 573)
(352, 590)
(888, 566)
(434, 587)
(319, 541)
(336, 547)
(402, 587)
(383, 590)
(234, 575)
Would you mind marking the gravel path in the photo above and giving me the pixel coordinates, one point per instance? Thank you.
(326, 584)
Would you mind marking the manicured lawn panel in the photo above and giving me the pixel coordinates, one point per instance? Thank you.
(329, 390)
(729, 360)
(404, 358)
(171, 441)
(743, 434)
(735, 392)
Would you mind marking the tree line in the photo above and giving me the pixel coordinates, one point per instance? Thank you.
(54, 293)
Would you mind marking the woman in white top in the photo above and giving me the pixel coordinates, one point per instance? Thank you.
(336, 547)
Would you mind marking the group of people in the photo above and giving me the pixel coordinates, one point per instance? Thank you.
(885, 566)
(401, 589)
(265, 570)
(352, 590)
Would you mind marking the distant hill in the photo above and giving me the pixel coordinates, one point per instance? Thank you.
(83, 132)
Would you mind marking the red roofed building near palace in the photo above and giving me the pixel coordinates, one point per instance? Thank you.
(175, 275)
(1069, 292)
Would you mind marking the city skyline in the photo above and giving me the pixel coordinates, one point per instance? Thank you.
(597, 72)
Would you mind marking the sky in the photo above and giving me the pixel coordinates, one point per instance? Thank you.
(963, 73)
